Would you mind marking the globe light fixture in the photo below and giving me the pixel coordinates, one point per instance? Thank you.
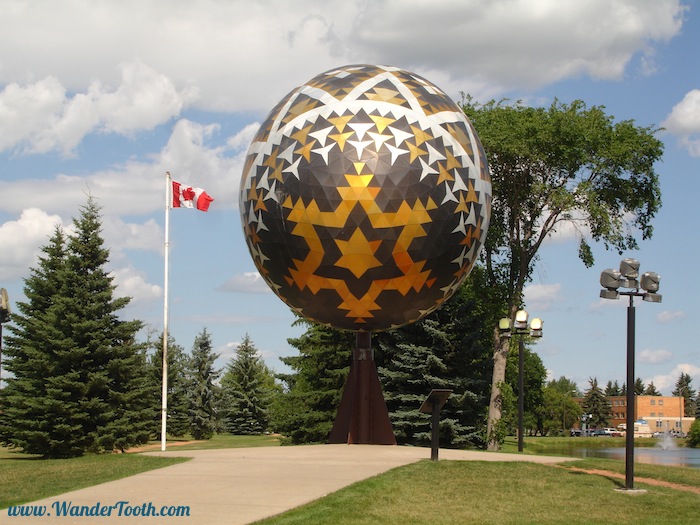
(520, 327)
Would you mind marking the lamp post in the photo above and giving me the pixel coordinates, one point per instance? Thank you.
(681, 411)
(628, 277)
(520, 327)
(586, 427)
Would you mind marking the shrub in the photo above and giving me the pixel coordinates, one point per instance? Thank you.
(694, 434)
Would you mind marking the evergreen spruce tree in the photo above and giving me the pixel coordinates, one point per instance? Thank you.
(612, 389)
(247, 390)
(639, 387)
(595, 404)
(684, 389)
(178, 423)
(78, 376)
(305, 413)
(651, 390)
(616, 391)
(203, 390)
(463, 326)
(459, 336)
(33, 415)
(409, 377)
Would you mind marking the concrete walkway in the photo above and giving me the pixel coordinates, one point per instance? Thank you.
(239, 486)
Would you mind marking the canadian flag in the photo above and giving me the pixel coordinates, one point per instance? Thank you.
(185, 196)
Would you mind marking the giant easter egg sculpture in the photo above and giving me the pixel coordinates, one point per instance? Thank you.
(365, 198)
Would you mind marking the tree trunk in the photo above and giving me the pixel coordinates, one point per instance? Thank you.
(500, 355)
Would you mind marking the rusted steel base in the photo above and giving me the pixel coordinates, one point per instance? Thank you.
(362, 415)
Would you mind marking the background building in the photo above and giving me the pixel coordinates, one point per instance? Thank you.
(662, 413)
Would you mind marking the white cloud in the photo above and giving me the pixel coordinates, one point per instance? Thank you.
(119, 236)
(539, 297)
(128, 189)
(243, 138)
(132, 283)
(654, 357)
(667, 382)
(144, 99)
(22, 239)
(668, 316)
(569, 230)
(189, 159)
(248, 282)
(138, 187)
(684, 122)
(26, 111)
(601, 304)
(247, 55)
(39, 117)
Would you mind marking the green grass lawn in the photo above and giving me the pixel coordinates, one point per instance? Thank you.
(429, 493)
(225, 441)
(26, 478)
(29, 478)
(545, 445)
(459, 493)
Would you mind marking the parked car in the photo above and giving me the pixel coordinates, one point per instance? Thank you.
(575, 432)
(603, 432)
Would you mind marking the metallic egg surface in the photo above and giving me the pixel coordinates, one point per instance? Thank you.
(365, 198)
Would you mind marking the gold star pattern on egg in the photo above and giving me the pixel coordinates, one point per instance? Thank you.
(365, 198)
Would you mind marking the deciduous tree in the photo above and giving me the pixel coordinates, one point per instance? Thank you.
(563, 165)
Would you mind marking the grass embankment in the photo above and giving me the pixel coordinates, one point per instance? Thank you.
(28, 478)
(223, 441)
(455, 492)
(554, 445)
(445, 492)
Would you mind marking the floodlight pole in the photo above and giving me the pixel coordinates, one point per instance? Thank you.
(629, 432)
(631, 405)
(611, 280)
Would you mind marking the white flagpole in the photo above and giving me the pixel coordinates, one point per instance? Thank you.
(164, 409)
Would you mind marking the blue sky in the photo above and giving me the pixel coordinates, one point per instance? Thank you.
(105, 97)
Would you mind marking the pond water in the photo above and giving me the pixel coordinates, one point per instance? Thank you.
(671, 455)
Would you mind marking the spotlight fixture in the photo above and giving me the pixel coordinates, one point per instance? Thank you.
(611, 281)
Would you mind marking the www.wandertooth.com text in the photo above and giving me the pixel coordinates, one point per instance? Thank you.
(120, 508)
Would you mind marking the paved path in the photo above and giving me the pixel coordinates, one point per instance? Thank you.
(242, 485)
